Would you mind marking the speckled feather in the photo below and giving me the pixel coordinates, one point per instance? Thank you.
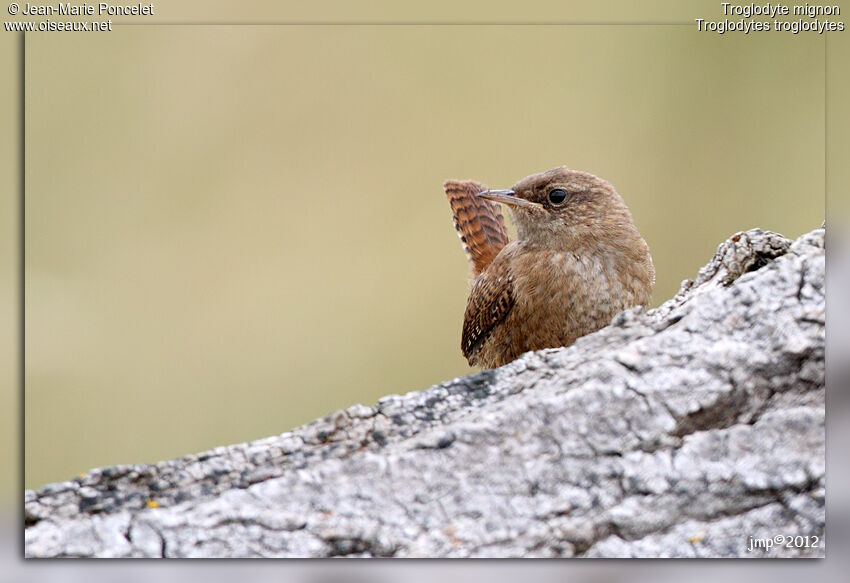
(479, 223)
(490, 300)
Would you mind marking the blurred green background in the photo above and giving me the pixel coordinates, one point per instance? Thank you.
(231, 231)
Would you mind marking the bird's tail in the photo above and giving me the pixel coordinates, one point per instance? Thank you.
(479, 222)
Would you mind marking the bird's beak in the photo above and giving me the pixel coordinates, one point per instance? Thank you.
(506, 197)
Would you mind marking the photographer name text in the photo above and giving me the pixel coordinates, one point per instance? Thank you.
(85, 9)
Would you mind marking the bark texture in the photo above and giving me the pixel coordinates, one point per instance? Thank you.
(688, 431)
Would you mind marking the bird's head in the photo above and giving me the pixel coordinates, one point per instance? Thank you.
(564, 204)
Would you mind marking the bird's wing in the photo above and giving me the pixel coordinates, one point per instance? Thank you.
(478, 221)
(490, 300)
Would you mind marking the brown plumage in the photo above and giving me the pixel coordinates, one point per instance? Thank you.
(478, 222)
(577, 262)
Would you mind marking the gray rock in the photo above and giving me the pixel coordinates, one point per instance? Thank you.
(691, 430)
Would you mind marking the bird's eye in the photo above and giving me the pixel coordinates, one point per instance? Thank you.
(557, 195)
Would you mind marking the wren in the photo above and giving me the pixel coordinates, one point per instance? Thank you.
(578, 261)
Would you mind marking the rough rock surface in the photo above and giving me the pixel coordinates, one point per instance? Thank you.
(681, 432)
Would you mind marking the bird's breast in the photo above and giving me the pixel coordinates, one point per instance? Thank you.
(546, 278)
(562, 295)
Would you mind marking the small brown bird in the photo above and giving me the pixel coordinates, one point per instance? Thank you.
(577, 262)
